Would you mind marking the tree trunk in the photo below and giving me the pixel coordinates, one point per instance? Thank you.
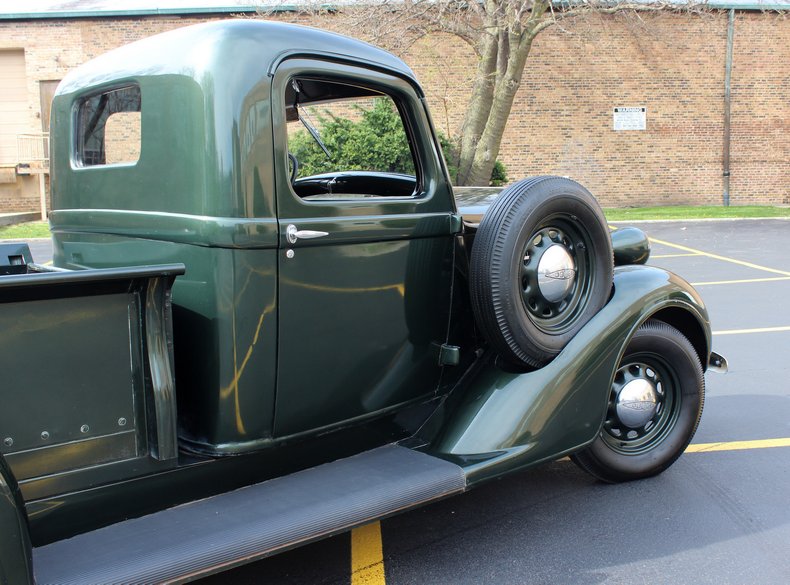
(482, 93)
(507, 84)
(489, 111)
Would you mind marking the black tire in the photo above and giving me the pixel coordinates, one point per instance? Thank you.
(662, 356)
(528, 321)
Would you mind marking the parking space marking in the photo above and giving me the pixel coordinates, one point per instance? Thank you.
(756, 330)
(741, 281)
(738, 445)
(723, 258)
(367, 557)
(684, 255)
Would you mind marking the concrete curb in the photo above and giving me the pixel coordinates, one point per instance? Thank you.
(21, 217)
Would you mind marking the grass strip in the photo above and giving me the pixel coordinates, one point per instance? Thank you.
(695, 212)
(21, 231)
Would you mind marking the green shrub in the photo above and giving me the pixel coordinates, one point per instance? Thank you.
(498, 174)
(374, 141)
(450, 149)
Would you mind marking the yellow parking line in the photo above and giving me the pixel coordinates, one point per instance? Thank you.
(686, 255)
(741, 281)
(756, 330)
(738, 445)
(718, 257)
(367, 557)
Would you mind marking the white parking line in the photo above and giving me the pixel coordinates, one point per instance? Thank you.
(741, 281)
(756, 330)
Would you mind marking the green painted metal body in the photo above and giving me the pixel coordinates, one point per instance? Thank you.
(503, 421)
(88, 382)
(16, 566)
(290, 354)
(631, 246)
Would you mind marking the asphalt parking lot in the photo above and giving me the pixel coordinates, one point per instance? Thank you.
(719, 515)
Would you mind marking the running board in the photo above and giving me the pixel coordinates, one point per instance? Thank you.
(190, 541)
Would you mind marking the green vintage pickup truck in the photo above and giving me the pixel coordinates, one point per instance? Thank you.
(250, 340)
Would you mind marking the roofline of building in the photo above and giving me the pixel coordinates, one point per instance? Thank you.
(241, 9)
(246, 9)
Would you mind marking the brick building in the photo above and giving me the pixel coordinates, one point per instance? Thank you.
(669, 67)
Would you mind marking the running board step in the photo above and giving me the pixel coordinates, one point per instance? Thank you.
(190, 541)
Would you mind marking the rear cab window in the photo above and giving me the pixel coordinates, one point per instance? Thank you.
(108, 128)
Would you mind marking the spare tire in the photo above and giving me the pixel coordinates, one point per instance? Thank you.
(541, 267)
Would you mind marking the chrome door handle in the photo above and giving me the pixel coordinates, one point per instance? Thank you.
(292, 234)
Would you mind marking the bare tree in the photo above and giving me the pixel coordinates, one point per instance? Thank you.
(500, 32)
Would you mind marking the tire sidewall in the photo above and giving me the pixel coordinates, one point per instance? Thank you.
(565, 199)
(682, 360)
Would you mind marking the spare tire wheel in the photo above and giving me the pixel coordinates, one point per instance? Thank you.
(541, 267)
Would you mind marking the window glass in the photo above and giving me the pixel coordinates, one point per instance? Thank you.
(109, 128)
(346, 142)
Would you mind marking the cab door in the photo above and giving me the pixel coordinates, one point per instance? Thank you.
(366, 245)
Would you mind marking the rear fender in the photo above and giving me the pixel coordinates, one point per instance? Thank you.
(498, 421)
(16, 566)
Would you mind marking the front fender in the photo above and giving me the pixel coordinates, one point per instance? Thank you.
(498, 421)
(16, 566)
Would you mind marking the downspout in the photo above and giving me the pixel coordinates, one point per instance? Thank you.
(727, 84)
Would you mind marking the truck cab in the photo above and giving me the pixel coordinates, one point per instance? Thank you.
(224, 210)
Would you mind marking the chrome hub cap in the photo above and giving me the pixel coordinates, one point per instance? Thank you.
(643, 405)
(636, 403)
(556, 273)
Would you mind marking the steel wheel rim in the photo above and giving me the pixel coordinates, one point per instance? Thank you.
(634, 441)
(547, 314)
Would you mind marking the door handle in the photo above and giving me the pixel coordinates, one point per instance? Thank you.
(292, 234)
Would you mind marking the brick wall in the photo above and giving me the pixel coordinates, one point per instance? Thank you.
(562, 118)
(760, 150)
(673, 65)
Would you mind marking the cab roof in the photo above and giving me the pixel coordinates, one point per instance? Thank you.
(195, 51)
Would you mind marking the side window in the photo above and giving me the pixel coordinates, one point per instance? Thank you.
(346, 143)
(109, 128)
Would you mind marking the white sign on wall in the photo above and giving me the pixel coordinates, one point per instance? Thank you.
(630, 118)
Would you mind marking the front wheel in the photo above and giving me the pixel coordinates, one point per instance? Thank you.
(654, 407)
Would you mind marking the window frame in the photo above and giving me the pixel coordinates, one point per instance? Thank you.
(410, 108)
